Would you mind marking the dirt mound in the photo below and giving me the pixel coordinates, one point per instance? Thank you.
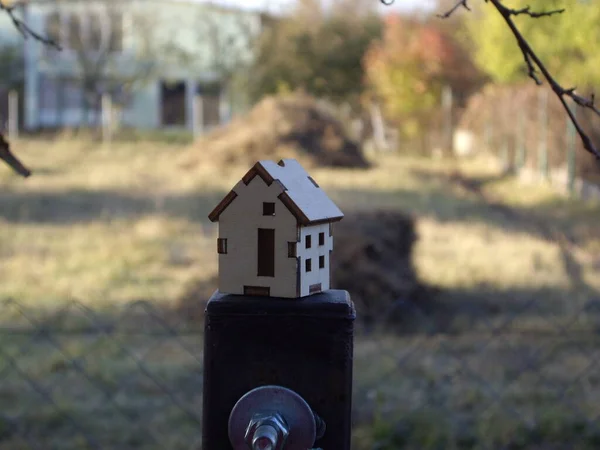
(283, 127)
(372, 259)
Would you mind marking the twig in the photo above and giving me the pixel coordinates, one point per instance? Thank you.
(10, 159)
(448, 13)
(533, 61)
(5, 154)
(25, 29)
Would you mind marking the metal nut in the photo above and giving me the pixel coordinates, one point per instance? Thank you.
(266, 431)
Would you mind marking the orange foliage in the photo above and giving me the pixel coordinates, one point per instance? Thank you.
(408, 67)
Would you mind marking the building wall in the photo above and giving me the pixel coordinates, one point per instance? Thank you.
(169, 40)
(316, 275)
(239, 224)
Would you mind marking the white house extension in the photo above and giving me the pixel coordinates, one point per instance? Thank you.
(275, 233)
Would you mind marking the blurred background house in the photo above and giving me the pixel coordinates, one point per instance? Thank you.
(157, 63)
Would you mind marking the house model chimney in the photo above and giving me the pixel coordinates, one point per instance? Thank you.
(275, 233)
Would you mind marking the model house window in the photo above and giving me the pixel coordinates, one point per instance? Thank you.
(321, 262)
(291, 249)
(308, 241)
(321, 238)
(308, 265)
(268, 209)
(222, 246)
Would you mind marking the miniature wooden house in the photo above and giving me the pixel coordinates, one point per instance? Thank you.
(275, 233)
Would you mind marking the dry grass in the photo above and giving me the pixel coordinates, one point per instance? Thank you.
(108, 226)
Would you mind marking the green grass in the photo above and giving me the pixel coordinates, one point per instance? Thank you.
(104, 226)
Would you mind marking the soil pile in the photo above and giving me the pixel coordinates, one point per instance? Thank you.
(372, 259)
(282, 127)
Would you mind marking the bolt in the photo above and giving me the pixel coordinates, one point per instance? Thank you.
(265, 438)
(266, 432)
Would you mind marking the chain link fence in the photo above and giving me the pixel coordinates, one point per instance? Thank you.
(528, 130)
(517, 376)
(78, 378)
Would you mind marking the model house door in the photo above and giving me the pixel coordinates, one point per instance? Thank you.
(266, 252)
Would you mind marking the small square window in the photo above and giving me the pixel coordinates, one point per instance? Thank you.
(308, 265)
(268, 209)
(308, 241)
(222, 246)
(291, 249)
(321, 238)
(321, 262)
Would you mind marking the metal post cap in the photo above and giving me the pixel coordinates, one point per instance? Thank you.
(265, 403)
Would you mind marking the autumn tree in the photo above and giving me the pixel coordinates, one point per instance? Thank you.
(407, 69)
(563, 43)
(316, 50)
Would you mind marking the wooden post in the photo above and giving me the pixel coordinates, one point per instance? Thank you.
(521, 152)
(13, 115)
(571, 161)
(504, 155)
(198, 116)
(106, 118)
(303, 344)
(487, 136)
(447, 109)
(378, 128)
(543, 138)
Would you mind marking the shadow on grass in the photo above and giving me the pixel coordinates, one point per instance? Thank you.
(556, 428)
(438, 202)
(79, 205)
(488, 310)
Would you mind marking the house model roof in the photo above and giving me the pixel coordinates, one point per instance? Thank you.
(301, 195)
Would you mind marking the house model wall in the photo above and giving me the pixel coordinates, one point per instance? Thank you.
(275, 233)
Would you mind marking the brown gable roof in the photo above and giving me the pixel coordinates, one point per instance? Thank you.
(301, 195)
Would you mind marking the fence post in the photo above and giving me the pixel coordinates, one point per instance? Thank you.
(504, 155)
(13, 115)
(571, 161)
(304, 345)
(106, 118)
(543, 137)
(378, 125)
(447, 101)
(198, 116)
(487, 136)
(520, 150)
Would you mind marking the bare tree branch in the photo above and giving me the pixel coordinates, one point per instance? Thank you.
(5, 154)
(10, 159)
(534, 63)
(24, 29)
(448, 13)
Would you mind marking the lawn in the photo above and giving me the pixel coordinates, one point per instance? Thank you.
(503, 357)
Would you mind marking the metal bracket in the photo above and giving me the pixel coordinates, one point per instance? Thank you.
(273, 418)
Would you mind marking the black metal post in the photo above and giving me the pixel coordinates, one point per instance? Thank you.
(304, 344)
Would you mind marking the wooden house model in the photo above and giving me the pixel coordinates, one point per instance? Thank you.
(275, 233)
